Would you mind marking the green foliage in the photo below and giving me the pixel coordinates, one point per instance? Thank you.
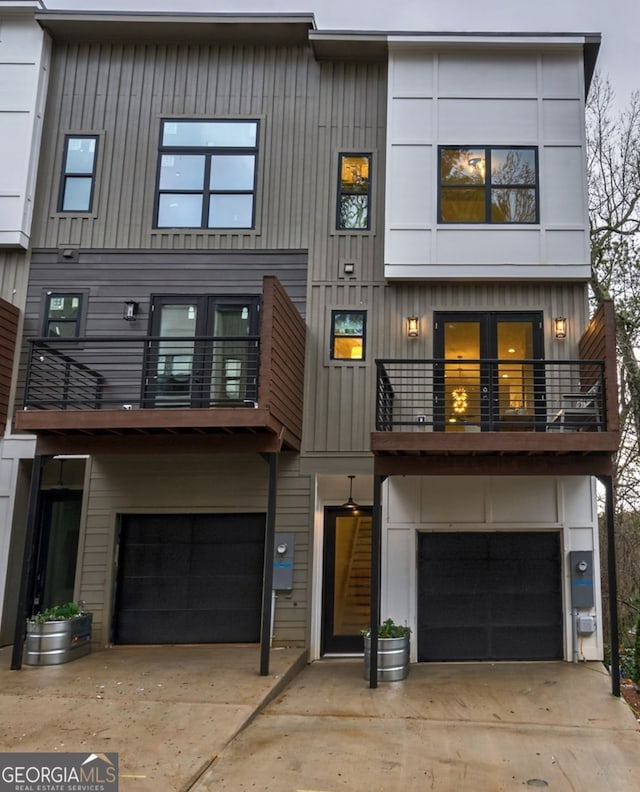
(58, 613)
(389, 629)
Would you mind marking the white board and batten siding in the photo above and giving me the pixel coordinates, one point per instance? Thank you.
(486, 95)
(564, 504)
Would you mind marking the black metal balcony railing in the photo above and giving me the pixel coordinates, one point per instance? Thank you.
(141, 372)
(490, 395)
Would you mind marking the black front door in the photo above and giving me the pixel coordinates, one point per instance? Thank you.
(189, 578)
(488, 379)
(205, 351)
(346, 579)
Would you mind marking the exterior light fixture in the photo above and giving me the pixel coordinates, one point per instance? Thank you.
(130, 310)
(560, 327)
(413, 327)
(351, 504)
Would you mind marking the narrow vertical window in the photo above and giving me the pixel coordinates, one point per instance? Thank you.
(78, 173)
(62, 315)
(348, 330)
(354, 192)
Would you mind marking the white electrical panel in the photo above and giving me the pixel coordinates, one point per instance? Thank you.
(586, 624)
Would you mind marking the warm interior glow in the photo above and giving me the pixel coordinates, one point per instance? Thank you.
(460, 400)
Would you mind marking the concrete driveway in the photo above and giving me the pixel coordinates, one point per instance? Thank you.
(167, 711)
(450, 728)
(199, 718)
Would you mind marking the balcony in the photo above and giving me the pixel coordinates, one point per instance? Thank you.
(9, 316)
(148, 394)
(506, 416)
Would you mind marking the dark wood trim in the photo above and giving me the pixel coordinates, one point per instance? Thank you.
(161, 444)
(494, 442)
(568, 465)
(599, 343)
(9, 317)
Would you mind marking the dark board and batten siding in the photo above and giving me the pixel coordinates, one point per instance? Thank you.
(109, 277)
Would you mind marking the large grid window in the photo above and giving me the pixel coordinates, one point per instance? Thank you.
(78, 173)
(354, 192)
(481, 184)
(207, 174)
(348, 333)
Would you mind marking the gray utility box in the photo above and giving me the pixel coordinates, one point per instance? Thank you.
(581, 563)
(283, 551)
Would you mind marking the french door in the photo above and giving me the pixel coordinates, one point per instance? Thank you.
(204, 352)
(486, 377)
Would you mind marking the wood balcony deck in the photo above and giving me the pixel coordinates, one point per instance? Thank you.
(89, 398)
(572, 433)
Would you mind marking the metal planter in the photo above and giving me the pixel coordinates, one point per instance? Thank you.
(57, 642)
(393, 658)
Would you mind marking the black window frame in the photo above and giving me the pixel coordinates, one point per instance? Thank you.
(333, 335)
(208, 152)
(66, 175)
(488, 186)
(47, 320)
(342, 192)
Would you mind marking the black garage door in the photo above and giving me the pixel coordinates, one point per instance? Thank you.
(189, 578)
(489, 596)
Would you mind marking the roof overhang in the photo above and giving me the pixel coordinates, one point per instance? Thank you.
(140, 27)
(371, 45)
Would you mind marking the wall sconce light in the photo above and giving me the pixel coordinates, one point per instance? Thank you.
(560, 326)
(130, 310)
(413, 327)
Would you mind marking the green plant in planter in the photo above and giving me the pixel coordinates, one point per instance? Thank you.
(58, 613)
(389, 629)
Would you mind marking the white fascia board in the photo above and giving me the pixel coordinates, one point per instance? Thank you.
(488, 272)
(497, 39)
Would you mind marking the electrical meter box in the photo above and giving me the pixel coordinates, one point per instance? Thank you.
(581, 563)
(283, 560)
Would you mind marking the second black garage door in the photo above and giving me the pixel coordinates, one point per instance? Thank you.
(489, 596)
(189, 578)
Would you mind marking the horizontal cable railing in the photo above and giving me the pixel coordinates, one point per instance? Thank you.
(490, 395)
(141, 372)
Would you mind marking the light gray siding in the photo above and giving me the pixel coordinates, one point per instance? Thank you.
(183, 484)
(340, 396)
(307, 111)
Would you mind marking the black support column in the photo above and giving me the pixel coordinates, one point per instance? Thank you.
(267, 577)
(29, 558)
(376, 573)
(612, 580)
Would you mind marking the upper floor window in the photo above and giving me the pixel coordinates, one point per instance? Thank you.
(488, 184)
(207, 174)
(354, 192)
(62, 315)
(78, 173)
(348, 331)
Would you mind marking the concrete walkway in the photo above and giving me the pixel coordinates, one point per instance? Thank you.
(177, 716)
(168, 711)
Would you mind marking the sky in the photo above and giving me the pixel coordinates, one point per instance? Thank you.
(617, 20)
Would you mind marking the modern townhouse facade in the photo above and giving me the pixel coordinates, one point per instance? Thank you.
(276, 272)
